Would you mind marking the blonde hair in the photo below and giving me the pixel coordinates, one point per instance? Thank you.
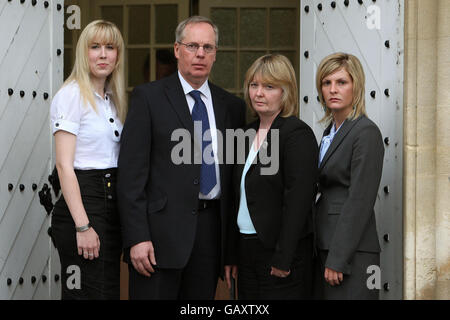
(335, 62)
(104, 32)
(277, 70)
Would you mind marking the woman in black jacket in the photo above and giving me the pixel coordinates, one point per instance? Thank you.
(270, 237)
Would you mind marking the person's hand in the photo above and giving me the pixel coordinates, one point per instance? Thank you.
(88, 244)
(230, 271)
(279, 273)
(333, 277)
(143, 258)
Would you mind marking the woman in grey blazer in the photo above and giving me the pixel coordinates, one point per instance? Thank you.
(350, 167)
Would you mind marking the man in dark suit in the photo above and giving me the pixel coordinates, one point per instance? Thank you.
(174, 215)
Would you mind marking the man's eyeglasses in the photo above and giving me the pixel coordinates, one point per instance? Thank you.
(193, 47)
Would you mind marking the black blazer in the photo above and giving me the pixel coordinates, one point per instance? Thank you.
(280, 204)
(349, 177)
(157, 198)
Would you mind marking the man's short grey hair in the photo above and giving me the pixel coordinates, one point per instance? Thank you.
(179, 32)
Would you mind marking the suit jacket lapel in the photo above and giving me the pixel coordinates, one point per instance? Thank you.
(338, 138)
(267, 143)
(177, 99)
(220, 109)
(326, 132)
(220, 114)
(240, 166)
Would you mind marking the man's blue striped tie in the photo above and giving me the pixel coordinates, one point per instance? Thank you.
(207, 171)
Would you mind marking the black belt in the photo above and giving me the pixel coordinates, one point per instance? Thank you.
(206, 204)
(245, 236)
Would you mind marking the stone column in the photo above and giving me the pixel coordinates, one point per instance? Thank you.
(442, 290)
(410, 150)
(427, 150)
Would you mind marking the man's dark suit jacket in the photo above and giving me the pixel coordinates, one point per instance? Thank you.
(158, 199)
(349, 177)
(280, 204)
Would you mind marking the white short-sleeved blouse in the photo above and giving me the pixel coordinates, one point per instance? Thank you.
(98, 133)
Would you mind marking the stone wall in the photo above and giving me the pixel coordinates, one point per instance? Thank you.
(427, 150)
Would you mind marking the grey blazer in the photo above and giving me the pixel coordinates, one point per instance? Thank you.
(349, 177)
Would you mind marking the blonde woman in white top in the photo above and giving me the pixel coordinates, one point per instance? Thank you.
(87, 114)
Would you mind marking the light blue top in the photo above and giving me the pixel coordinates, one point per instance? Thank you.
(243, 220)
(326, 141)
